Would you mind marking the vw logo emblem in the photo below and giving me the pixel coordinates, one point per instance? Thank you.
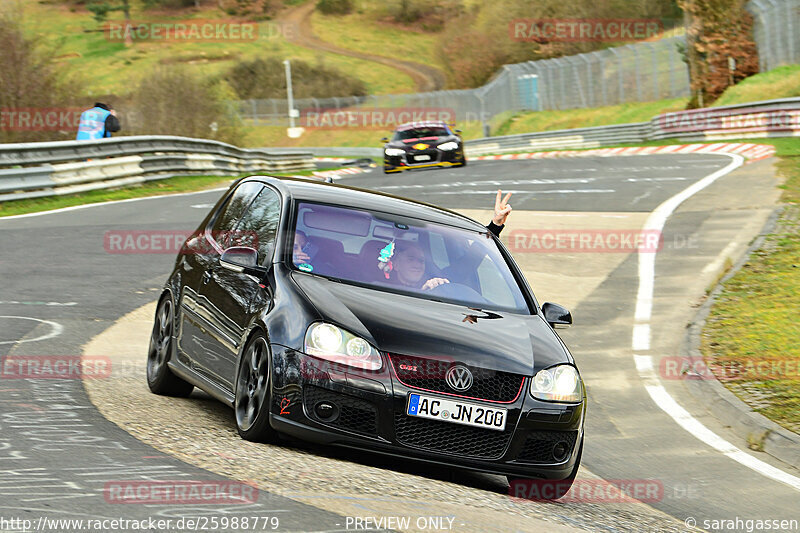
(459, 378)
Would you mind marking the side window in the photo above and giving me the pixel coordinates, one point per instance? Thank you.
(439, 251)
(232, 211)
(493, 287)
(259, 226)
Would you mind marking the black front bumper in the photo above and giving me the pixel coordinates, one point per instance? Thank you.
(436, 158)
(371, 416)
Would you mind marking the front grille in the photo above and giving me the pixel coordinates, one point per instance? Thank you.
(538, 447)
(447, 437)
(429, 374)
(355, 414)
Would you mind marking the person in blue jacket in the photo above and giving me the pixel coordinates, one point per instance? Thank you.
(97, 123)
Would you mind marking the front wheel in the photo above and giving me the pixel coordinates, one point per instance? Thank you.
(253, 396)
(160, 378)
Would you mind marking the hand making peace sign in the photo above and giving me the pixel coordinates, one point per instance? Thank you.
(501, 208)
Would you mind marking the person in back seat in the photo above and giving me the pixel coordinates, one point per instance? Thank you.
(316, 254)
(303, 250)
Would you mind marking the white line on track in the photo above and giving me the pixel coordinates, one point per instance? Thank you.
(56, 330)
(49, 304)
(640, 340)
(87, 206)
(533, 191)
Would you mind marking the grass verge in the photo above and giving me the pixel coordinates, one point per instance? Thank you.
(782, 82)
(752, 335)
(152, 188)
(109, 67)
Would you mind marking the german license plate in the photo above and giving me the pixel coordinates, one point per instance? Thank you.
(422, 158)
(468, 414)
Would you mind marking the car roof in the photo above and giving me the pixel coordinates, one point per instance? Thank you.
(304, 189)
(428, 124)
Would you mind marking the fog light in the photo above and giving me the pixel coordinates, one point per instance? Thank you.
(560, 451)
(326, 411)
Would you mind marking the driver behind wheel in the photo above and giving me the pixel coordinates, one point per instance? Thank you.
(407, 265)
(408, 268)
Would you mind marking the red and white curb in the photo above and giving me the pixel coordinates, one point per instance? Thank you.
(333, 159)
(339, 172)
(334, 173)
(751, 152)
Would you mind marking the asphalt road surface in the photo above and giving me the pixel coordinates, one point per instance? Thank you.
(61, 287)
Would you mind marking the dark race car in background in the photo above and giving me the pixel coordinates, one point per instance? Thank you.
(423, 145)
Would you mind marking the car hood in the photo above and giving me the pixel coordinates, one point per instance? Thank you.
(400, 324)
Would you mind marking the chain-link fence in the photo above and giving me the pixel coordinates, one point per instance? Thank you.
(640, 72)
(776, 31)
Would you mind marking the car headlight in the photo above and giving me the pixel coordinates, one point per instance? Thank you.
(332, 343)
(450, 145)
(557, 384)
(394, 152)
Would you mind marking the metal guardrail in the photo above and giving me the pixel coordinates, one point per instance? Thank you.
(574, 138)
(31, 170)
(338, 151)
(47, 169)
(769, 118)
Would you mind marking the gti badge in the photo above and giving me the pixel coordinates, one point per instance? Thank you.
(459, 378)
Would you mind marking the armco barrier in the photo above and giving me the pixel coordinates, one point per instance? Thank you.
(31, 170)
(552, 140)
(770, 118)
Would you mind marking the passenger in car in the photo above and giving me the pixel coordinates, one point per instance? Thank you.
(408, 268)
(408, 265)
(303, 250)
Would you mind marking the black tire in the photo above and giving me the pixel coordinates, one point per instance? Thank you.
(160, 378)
(253, 395)
(548, 489)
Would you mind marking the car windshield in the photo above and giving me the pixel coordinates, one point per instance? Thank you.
(421, 133)
(399, 254)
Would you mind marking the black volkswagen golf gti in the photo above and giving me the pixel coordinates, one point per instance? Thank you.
(349, 317)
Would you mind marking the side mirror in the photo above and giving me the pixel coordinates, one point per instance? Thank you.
(556, 315)
(241, 259)
(457, 132)
(385, 140)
